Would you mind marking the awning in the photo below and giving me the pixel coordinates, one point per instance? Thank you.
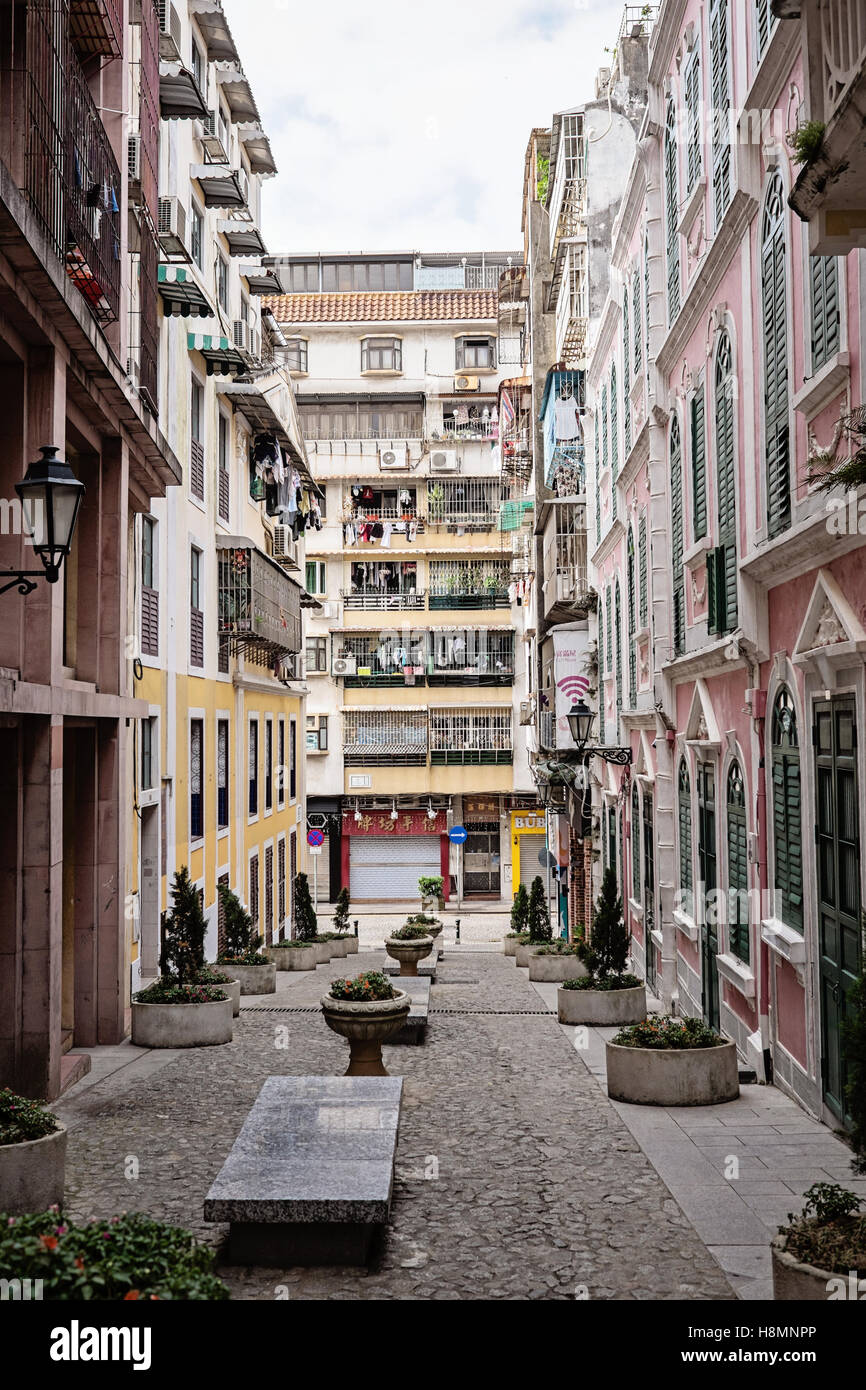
(179, 95)
(243, 238)
(215, 30)
(221, 356)
(261, 279)
(181, 292)
(238, 93)
(258, 148)
(220, 184)
(267, 404)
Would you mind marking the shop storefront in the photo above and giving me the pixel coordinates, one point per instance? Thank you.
(383, 858)
(528, 847)
(482, 852)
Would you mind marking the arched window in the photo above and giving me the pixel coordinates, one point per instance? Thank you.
(672, 212)
(635, 843)
(722, 562)
(632, 622)
(678, 615)
(787, 812)
(614, 440)
(684, 810)
(738, 876)
(774, 318)
(721, 103)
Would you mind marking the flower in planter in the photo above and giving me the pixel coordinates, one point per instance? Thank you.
(408, 933)
(663, 1031)
(167, 992)
(829, 1233)
(372, 985)
(607, 982)
(22, 1120)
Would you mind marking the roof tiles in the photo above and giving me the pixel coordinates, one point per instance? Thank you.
(384, 306)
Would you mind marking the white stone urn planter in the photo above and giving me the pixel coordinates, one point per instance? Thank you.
(555, 968)
(408, 953)
(796, 1282)
(293, 956)
(602, 1008)
(366, 1025)
(673, 1075)
(182, 1025)
(253, 979)
(32, 1174)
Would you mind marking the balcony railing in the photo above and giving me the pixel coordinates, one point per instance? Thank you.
(376, 599)
(259, 605)
(487, 598)
(471, 757)
(469, 429)
(842, 49)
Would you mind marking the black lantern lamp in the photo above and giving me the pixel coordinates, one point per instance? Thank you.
(50, 497)
(545, 792)
(580, 721)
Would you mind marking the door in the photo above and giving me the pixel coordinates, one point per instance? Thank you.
(649, 892)
(837, 839)
(386, 868)
(708, 878)
(481, 860)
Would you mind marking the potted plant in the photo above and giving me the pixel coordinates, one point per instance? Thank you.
(431, 887)
(821, 1254)
(408, 946)
(307, 923)
(128, 1258)
(242, 951)
(432, 925)
(177, 1010)
(537, 923)
(293, 955)
(32, 1156)
(854, 1051)
(341, 922)
(671, 1061)
(603, 994)
(555, 962)
(366, 1011)
(519, 919)
(224, 981)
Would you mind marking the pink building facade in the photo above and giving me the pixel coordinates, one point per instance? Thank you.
(726, 375)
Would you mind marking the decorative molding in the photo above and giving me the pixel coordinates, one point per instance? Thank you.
(829, 381)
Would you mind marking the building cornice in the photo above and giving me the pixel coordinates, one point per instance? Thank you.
(664, 39)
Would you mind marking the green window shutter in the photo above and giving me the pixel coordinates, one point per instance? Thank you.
(646, 293)
(774, 306)
(787, 811)
(608, 627)
(638, 323)
(635, 843)
(632, 653)
(679, 594)
(824, 286)
(642, 571)
(712, 594)
(614, 441)
(738, 873)
(604, 453)
(765, 22)
(597, 483)
(726, 571)
(693, 122)
(618, 656)
(626, 365)
(721, 101)
(699, 465)
(600, 673)
(672, 213)
(684, 815)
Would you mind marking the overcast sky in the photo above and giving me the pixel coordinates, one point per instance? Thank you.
(400, 126)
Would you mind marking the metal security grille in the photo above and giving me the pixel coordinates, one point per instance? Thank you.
(196, 749)
(392, 736)
(281, 887)
(467, 502)
(254, 889)
(269, 895)
(571, 545)
(469, 584)
(470, 736)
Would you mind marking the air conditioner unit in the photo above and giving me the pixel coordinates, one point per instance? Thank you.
(331, 610)
(242, 336)
(444, 461)
(169, 31)
(395, 458)
(285, 546)
(133, 158)
(467, 383)
(345, 665)
(244, 184)
(171, 226)
(133, 371)
(211, 139)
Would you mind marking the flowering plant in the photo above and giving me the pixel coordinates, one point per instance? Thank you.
(22, 1120)
(663, 1031)
(371, 985)
(167, 992)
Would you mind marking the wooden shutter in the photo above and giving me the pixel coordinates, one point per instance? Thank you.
(693, 118)
(635, 843)
(269, 895)
(632, 653)
(642, 571)
(787, 812)
(684, 811)
(196, 637)
(601, 669)
(774, 306)
(626, 366)
(617, 606)
(597, 482)
(824, 286)
(721, 101)
(614, 440)
(763, 22)
(699, 465)
(638, 325)
(672, 214)
(604, 454)
(679, 592)
(738, 872)
(609, 629)
(196, 469)
(725, 575)
(149, 622)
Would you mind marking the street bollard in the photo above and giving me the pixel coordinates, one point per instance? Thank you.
(457, 927)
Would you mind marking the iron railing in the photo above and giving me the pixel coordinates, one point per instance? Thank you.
(378, 599)
(259, 605)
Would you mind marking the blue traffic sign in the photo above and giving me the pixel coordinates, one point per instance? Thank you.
(315, 838)
(458, 835)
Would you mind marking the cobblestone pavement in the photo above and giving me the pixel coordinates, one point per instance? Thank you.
(541, 1192)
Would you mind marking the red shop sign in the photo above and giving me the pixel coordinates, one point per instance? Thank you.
(407, 823)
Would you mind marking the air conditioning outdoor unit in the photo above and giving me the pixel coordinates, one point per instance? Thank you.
(133, 158)
(169, 31)
(564, 585)
(394, 458)
(345, 665)
(285, 546)
(331, 610)
(242, 336)
(211, 139)
(171, 226)
(444, 461)
(467, 383)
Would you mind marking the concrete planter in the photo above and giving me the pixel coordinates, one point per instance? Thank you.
(510, 945)
(351, 945)
(605, 1008)
(182, 1025)
(32, 1174)
(408, 953)
(673, 1076)
(339, 948)
(795, 1282)
(366, 1026)
(524, 952)
(232, 986)
(293, 957)
(253, 979)
(555, 968)
(324, 951)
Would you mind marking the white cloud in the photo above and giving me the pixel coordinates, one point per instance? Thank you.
(402, 126)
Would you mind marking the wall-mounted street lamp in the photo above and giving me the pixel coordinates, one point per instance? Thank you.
(50, 498)
(580, 722)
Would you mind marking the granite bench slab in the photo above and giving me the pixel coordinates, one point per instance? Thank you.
(414, 1029)
(309, 1178)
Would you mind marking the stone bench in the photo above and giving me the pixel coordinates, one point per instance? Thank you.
(415, 1027)
(309, 1178)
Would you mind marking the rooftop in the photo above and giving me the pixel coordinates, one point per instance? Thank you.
(384, 306)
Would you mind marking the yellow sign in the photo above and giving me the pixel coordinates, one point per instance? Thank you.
(527, 822)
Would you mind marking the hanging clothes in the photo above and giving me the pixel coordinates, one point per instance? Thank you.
(566, 419)
(386, 528)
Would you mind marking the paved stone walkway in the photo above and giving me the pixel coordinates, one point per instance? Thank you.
(516, 1179)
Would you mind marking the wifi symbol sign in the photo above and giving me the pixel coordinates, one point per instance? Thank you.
(573, 687)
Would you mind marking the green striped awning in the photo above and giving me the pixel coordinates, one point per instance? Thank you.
(181, 291)
(222, 357)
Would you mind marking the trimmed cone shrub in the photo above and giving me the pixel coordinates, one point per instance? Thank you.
(341, 912)
(183, 933)
(306, 922)
(608, 950)
(538, 917)
(520, 910)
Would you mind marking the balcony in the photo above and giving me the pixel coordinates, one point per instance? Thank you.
(459, 584)
(377, 738)
(484, 599)
(96, 27)
(572, 308)
(471, 757)
(378, 600)
(259, 605)
(830, 191)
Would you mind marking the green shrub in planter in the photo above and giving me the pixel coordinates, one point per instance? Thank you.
(22, 1120)
(409, 933)
(306, 922)
(854, 1049)
(420, 919)
(167, 992)
(665, 1032)
(372, 985)
(521, 937)
(520, 911)
(341, 912)
(608, 982)
(242, 941)
(127, 1257)
(538, 916)
(828, 1233)
(558, 948)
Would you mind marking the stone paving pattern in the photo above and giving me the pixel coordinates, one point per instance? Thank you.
(542, 1192)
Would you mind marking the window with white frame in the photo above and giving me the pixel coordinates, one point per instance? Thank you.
(475, 354)
(381, 355)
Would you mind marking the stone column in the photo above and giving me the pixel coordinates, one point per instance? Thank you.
(41, 905)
